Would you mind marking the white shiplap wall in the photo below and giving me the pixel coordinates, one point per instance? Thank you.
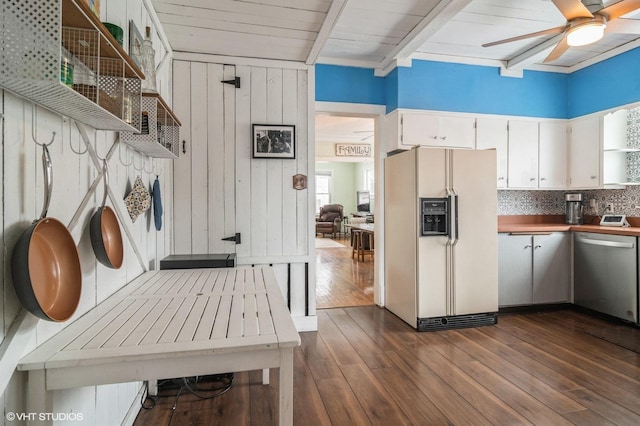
(219, 185)
(73, 175)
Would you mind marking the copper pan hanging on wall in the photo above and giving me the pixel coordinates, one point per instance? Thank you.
(45, 265)
(106, 238)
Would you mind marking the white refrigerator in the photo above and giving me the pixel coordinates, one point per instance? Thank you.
(441, 241)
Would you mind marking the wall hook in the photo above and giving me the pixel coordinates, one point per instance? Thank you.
(155, 169)
(134, 162)
(78, 151)
(34, 119)
(144, 166)
(120, 155)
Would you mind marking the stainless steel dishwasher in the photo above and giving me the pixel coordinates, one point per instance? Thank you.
(605, 274)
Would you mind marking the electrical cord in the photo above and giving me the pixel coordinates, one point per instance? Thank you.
(194, 385)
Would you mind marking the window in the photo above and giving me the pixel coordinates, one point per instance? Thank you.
(323, 189)
(369, 180)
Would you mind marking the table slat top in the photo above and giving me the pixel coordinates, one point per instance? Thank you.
(172, 312)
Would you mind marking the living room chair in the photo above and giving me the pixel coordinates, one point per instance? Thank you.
(330, 219)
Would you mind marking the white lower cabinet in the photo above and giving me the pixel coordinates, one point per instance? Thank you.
(534, 269)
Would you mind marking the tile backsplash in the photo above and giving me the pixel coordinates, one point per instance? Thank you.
(552, 202)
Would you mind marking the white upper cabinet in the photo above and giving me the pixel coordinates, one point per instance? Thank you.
(523, 154)
(585, 152)
(553, 155)
(417, 128)
(491, 133)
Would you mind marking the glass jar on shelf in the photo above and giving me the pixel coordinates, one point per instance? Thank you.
(148, 63)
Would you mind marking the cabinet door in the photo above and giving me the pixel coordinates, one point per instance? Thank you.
(523, 154)
(551, 268)
(492, 133)
(419, 129)
(585, 153)
(514, 269)
(457, 132)
(553, 155)
(439, 131)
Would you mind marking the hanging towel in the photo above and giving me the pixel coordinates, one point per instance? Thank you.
(139, 200)
(157, 205)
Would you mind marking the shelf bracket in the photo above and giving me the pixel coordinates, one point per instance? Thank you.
(235, 82)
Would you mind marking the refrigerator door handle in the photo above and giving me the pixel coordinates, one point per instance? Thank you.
(453, 217)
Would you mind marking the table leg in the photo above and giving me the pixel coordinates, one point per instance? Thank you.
(153, 387)
(39, 400)
(286, 387)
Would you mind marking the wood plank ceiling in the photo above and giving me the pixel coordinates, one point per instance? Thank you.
(377, 33)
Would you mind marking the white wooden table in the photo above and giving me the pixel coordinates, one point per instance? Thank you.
(172, 323)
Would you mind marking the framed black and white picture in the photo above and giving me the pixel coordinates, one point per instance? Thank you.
(273, 141)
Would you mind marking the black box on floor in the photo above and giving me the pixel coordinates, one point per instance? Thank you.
(193, 261)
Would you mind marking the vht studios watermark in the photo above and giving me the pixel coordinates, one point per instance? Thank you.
(62, 417)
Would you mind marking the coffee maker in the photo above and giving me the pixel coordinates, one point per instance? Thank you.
(573, 208)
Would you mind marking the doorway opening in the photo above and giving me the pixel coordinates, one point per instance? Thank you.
(344, 171)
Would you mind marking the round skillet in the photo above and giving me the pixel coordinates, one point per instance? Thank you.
(104, 229)
(45, 265)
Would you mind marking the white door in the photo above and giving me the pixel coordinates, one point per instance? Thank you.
(523, 154)
(515, 260)
(475, 254)
(553, 155)
(491, 133)
(204, 174)
(551, 268)
(584, 153)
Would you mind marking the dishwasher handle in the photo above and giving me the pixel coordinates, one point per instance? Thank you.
(606, 243)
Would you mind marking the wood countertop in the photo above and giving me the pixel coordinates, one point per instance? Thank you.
(555, 223)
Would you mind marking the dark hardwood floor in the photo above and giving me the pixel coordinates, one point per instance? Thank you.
(365, 366)
(340, 280)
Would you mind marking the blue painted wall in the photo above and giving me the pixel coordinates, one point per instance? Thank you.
(349, 84)
(607, 84)
(471, 88)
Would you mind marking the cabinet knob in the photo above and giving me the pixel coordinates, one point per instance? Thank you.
(501, 178)
(543, 178)
(434, 137)
(443, 138)
(532, 179)
(593, 177)
(537, 246)
(527, 246)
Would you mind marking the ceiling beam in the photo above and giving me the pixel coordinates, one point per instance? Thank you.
(442, 13)
(333, 14)
(534, 54)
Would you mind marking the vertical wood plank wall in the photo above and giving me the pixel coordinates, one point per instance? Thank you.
(220, 189)
(73, 174)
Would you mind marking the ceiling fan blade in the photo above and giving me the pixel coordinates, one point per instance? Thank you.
(572, 9)
(557, 51)
(624, 26)
(556, 30)
(618, 9)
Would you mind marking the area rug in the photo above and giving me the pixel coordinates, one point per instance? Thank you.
(327, 243)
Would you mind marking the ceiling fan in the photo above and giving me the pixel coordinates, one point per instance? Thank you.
(586, 23)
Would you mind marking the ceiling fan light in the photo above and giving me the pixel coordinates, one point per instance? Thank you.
(586, 33)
